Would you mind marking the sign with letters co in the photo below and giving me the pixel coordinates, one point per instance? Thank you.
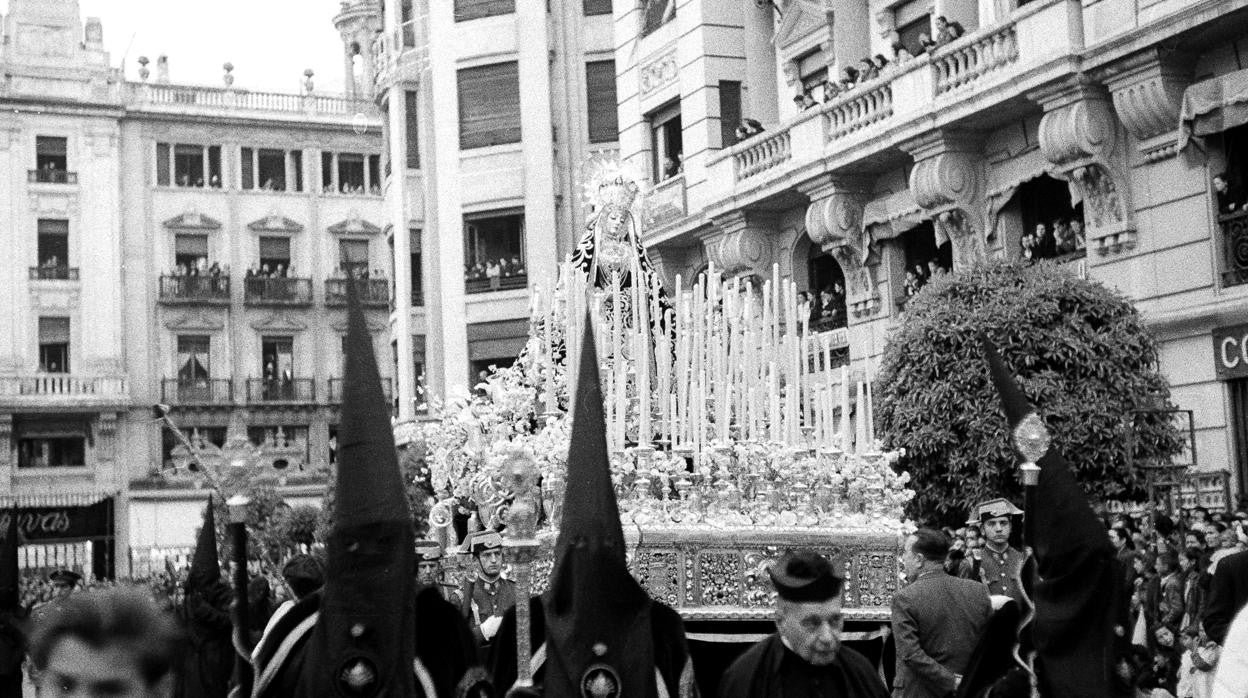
(1230, 352)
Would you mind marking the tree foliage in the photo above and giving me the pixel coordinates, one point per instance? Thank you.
(415, 481)
(1079, 351)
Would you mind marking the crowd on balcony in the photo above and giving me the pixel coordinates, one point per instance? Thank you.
(341, 273)
(348, 188)
(748, 127)
(918, 275)
(201, 267)
(825, 308)
(185, 180)
(673, 165)
(495, 270)
(1062, 237)
(264, 271)
(869, 68)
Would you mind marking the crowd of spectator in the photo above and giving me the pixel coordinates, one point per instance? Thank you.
(495, 270)
(1061, 237)
(918, 275)
(275, 271)
(1231, 198)
(868, 68)
(201, 267)
(348, 188)
(825, 308)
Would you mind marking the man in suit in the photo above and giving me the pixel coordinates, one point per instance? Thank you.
(937, 620)
(1228, 594)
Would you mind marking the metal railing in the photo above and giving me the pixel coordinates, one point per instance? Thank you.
(195, 289)
(46, 176)
(1234, 248)
(277, 291)
(281, 390)
(59, 272)
(337, 386)
(501, 283)
(205, 391)
(63, 385)
(372, 292)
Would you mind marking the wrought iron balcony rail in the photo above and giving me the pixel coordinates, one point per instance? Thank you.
(59, 272)
(505, 283)
(277, 291)
(301, 390)
(1234, 228)
(195, 289)
(46, 176)
(200, 391)
(372, 292)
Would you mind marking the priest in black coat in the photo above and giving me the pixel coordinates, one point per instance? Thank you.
(369, 631)
(595, 631)
(804, 657)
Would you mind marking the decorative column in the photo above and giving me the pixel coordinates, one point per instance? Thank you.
(948, 183)
(1147, 90)
(1079, 135)
(741, 243)
(834, 224)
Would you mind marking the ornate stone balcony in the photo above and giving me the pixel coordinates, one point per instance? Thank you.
(63, 390)
(199, 98)
(960, 80)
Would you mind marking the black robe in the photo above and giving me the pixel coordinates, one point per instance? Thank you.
(671, 651)
(763, 669)
(209, 660)
(444, 645)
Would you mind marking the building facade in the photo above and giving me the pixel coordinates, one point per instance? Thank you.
(180, 245)
(492, 108)
(1040, 129)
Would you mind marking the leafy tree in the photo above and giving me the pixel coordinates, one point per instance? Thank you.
(1080, 353)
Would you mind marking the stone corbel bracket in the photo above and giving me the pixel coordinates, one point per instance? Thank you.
(834, 224)
(948, 183)
(740, 243)
(1079, 135)
(1147, 90)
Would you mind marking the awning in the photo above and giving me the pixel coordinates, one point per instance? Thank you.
(45, 500)
(1214, 106)
(891, 215)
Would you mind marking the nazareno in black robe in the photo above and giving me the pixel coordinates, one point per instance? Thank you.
(444, 645)
(671, 651)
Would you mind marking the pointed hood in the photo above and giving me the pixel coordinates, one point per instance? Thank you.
(10, 576)
(369, 488)
(1077, 596)
(206, 563)
(597, 615)
(364, 640)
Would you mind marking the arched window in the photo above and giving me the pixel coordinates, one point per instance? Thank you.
(827, 292)
(1049, 226)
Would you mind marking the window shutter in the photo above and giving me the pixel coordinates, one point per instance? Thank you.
(194, 245)
(51, 145)
(274, 248)
(600, 90)
(729, 112)
(53, 330)
(597, 7)
(411, 117)
(489, 105)
(353, 251)
(475, 9)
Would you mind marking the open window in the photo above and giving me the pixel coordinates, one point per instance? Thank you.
(827, 293)
(190, 252)
(924, 259)
(54, 344)
(666, 142)
(274, 255)
(353, 258)
(53, 252)
(46, 441)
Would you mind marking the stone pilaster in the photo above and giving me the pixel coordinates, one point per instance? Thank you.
(948, 182)
(834, 224)
(1079, 135)
(1147, 91)
(740, 244)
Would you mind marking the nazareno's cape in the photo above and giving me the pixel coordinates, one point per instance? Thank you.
(752, 674)
(671, 652)
(444, 646)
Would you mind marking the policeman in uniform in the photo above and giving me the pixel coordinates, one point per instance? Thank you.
(487, 595)
(429, 571)
(997, 564)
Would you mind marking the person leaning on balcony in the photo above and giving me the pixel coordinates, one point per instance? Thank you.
(850, 79)
(901, 54)
(868, 71)
(926, 45)
(1230, 199)
(881, 63)
(943, 33)
(494, 272)
(830, 91)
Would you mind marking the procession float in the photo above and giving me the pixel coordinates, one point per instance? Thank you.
(732, 436)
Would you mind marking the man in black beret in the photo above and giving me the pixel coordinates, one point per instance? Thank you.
(805, 656)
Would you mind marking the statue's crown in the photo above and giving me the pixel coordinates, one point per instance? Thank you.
(620, 191)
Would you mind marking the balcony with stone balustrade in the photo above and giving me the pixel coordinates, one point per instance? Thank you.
(959, 84)
(67, 391)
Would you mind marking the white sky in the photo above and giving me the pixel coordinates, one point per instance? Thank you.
(270, 42)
